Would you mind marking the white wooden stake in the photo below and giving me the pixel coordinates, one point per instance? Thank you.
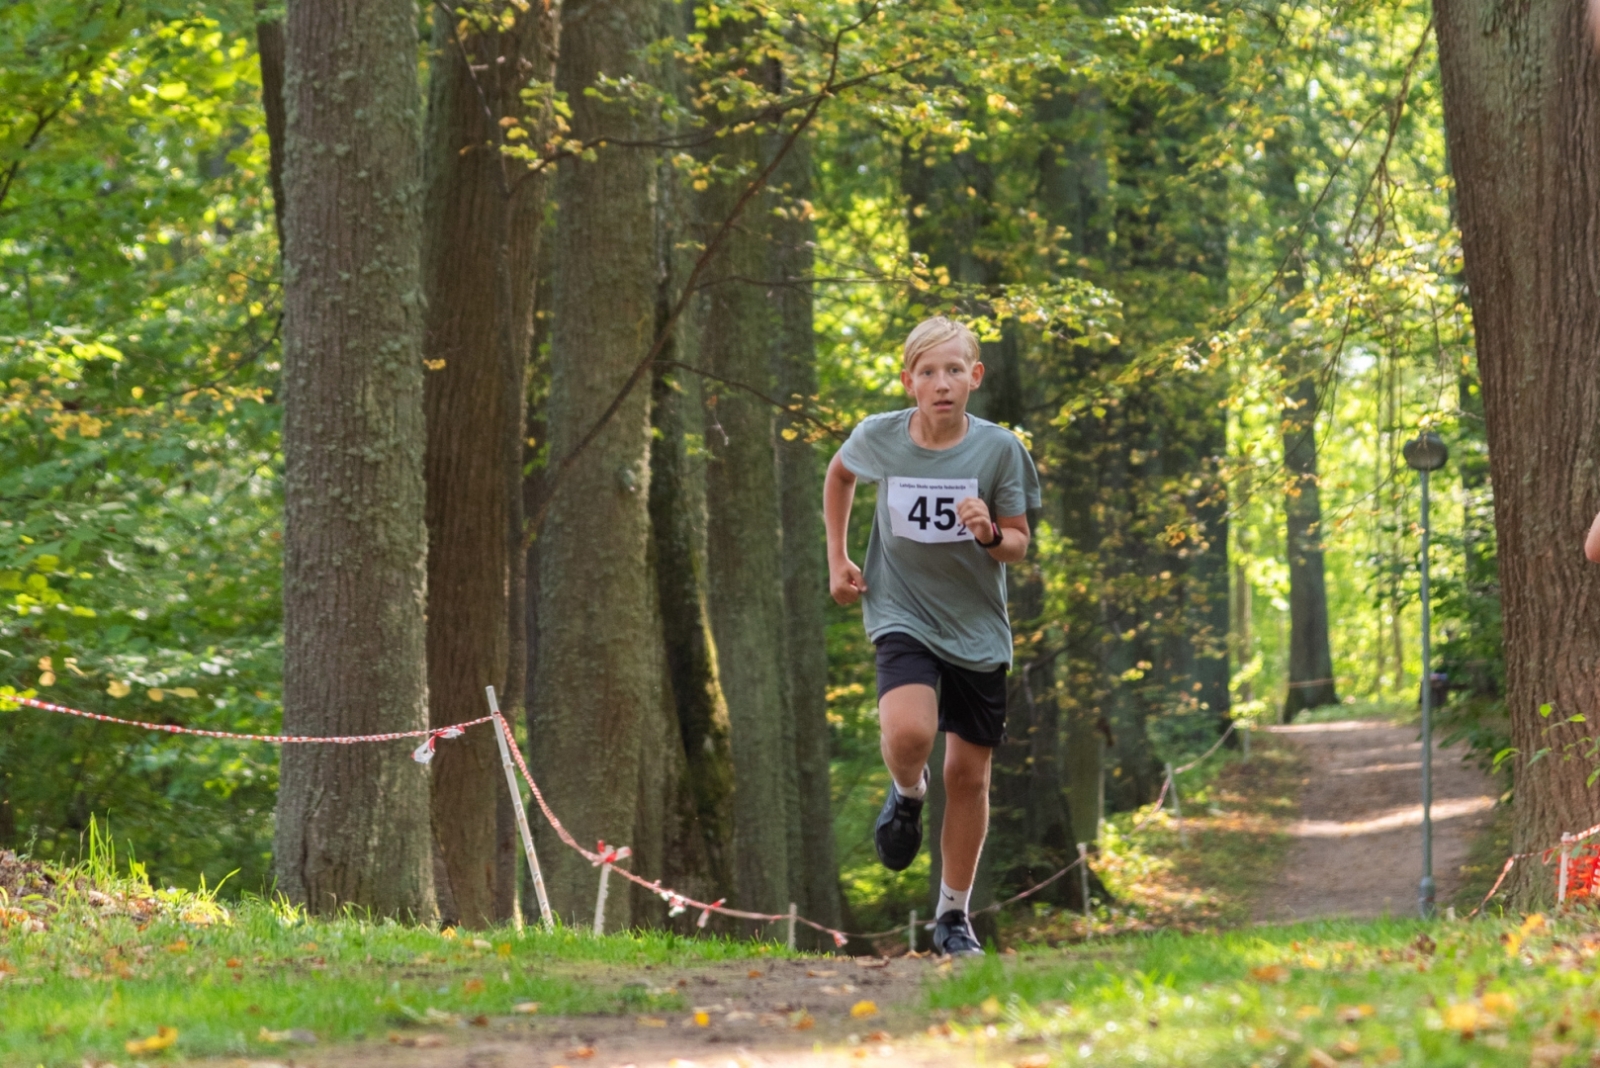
(1177, 806)
(911, 931)
(1566, 857)
(794, 910)
(1083, 875)
(522, 813)
(600, 902)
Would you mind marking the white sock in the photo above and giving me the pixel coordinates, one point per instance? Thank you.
(914, 793)
(952, 899)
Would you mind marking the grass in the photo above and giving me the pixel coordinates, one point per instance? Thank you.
(1485, 992)
(91, 963)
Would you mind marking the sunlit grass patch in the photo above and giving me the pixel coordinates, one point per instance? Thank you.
(92, 983)
(1489, 992)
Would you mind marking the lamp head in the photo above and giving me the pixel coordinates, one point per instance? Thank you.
(1425, 452)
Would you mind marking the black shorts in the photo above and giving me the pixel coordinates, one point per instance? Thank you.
(972, 704)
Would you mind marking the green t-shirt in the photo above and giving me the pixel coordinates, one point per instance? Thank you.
(926, 575)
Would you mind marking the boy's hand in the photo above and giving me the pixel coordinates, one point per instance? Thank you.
(846, 583)
(974, 515)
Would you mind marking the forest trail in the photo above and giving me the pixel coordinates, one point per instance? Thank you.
(1358, 841)
(751, 1012)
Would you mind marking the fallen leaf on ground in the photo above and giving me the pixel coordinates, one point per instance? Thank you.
(1271, 973)
(1501, 1004)
(180, 946)
(235, 962)
(1318, 1059)
(479, 1021)
(702, 1019)
(820, 974)
(864, 1008)
(416, 1041)
(503, 950)
(162, 1039)
(652, 1021)
(804, 1022)
(990, 1006)
(1306, 1012)
(473, 986)
(1349, 1047)
(478, 943)
(581, 1053)
(879, 1036)
(1035, 1060)
(294, 1034)
(1463, 1017)
(753, 974)
(527, 1008)
(1352, 1013)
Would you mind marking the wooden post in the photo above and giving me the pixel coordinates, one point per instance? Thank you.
(1244, 730)
(911, 931)
(1177, 806)
(1566, 858)
(500, 729)
(794, 910)
(600, 901)
(1083, 875)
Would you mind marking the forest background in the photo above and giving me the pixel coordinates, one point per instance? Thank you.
(1210, 249)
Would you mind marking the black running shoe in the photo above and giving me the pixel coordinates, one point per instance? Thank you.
(898, 832)
(953, 937)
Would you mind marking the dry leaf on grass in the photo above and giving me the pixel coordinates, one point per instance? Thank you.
(294, 1034)
(162, 1039)
(1271, 973)
(527, 1008)
(1352, 1013)
(416, 1041)
(864, 1008)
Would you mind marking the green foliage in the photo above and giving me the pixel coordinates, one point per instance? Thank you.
(139, 559)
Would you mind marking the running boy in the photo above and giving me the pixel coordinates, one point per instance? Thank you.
(953, 493)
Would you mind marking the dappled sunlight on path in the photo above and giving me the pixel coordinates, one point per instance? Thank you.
(1358, 843)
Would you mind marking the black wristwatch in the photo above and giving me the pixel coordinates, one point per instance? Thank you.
(999, 536)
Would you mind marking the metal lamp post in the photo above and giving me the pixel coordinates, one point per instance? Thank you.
(1426, 453)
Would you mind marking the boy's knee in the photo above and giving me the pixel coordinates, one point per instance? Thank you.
(966, 777)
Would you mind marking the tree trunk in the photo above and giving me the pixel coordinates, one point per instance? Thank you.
(745, 540)
(269, 51)
(805, 565)
(1521, 87)
(678, 522)
(597, 690)
(483, 219)
(1311, 682)
(352, 822)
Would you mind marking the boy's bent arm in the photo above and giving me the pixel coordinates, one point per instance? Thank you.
(845, 581)
(1016, 535)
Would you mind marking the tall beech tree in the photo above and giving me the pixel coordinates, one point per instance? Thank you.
(483, 215)
(353, 824)
(744, 542)
(1521, 86)
(805, 565)
(599, 693)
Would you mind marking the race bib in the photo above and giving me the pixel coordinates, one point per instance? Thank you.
(924, 509)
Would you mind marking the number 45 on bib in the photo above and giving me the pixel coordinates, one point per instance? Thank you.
(924, 509)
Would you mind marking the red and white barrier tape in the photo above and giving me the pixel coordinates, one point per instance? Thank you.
(1511, 861)
(676, 903)
(422, 755)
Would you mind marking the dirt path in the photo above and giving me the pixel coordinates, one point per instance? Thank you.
(1358, 841)
(777, 1014)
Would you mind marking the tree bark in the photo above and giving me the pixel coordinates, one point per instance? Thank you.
(1521, 87)
(1311, 683)
(352, 822)
(483, 219)
(597, 690)
(805, 566)
(269, 51)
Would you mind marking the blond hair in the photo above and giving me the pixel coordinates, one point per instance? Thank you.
(931, 333)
